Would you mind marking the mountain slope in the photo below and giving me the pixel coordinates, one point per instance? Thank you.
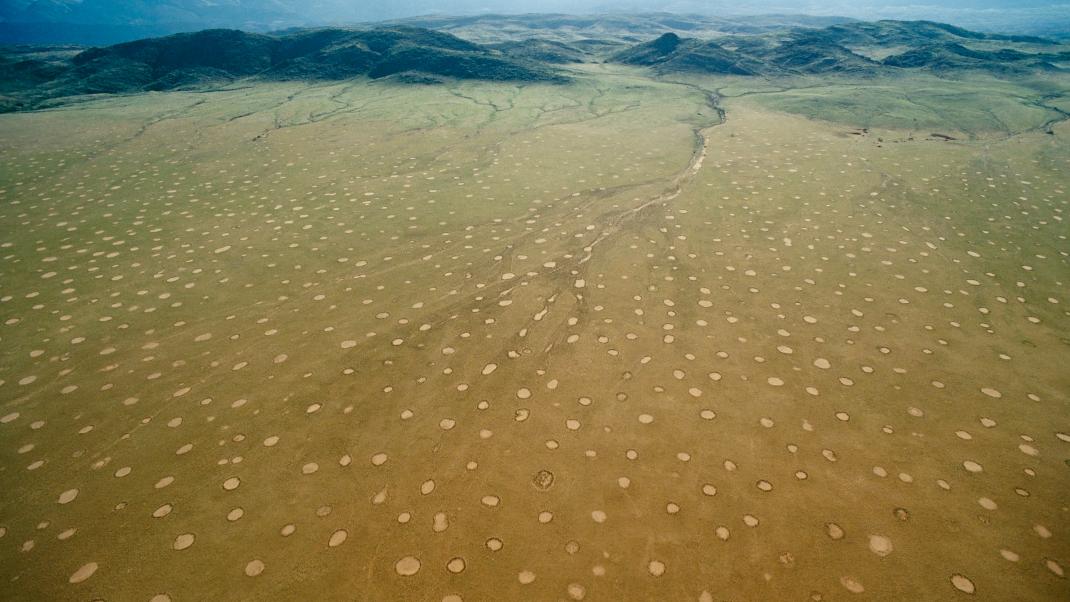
(852, 48)
(28, 79)
(952, 56)
(221, 55)
(546, 51)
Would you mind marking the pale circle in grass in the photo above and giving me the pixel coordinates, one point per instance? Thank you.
(880, 545)
(407, 566)
(254, 568)
(337, 538)
(963, 583)
(84, 572)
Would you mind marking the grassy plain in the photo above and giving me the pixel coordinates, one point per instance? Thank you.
(493, 342)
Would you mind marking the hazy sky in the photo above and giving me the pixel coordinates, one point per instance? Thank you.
(965, 12)
(372, 9)
(982, 14)
(838, 7)
(144, 17)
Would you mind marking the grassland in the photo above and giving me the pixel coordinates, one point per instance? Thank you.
(486, 341)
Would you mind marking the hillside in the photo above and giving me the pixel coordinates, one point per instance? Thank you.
(538, 48)
(104, 22)
(612, 28)
(224, 55)
(852, 48)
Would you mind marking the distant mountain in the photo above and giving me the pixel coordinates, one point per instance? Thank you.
(104, 22)
(857, 48)
(34, 78)
(891, 33)
(949, 56)
(615, 27)
(222, 55)
(672, 53)
(112, 21)
(656, 51)
(546, 51)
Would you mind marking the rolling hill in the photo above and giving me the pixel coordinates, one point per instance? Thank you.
(31, 78)
(856, 48)
(223, 55)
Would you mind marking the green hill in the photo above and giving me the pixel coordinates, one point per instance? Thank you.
(534, 49)
(546, 51)
(855, 48)
(222, 55)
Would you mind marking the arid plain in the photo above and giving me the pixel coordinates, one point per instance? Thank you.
(620, 339)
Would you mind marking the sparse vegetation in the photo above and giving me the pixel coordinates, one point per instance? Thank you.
(214, 57)
(849, 49)
(219, 57)
(388, 314)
